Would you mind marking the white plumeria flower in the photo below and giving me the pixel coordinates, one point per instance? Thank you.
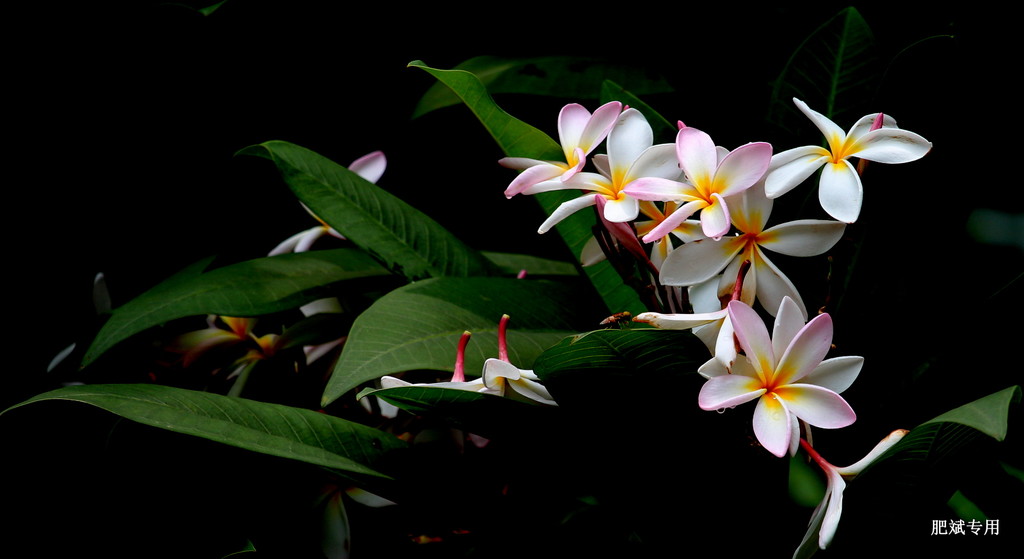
(579, 132)
(500, 376)
(370, 167)
(874, 137)
(700, 260)
(786, 374)
(709, 179)
(825, 518)
(631, 156)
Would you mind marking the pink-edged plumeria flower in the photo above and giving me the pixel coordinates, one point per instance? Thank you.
(874, 137)
(709, 179)
(370, 167)
(787, 374)
(698, 261)
(631, 154)
(825, 518)
(579, 132)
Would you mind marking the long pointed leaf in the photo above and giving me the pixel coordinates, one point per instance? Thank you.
(249, 288)
(287, 432)
(418, 327)
(407, 241)
(516, 138)
(832, 70)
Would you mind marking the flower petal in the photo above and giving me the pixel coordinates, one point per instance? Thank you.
(804, 237)
(679, 321)
(753, 338)
(697, 154)
(566, 209)
(630, 136)
(699, 261)
(836, 374)
(772, 425)
(892, 145)
(673, 221)
(806, 351)
(772, 286)
(743, 167)
(726, 391)
(714, 219)
(828, 128)
(622, 209)
(657, 189)
(840, 191)
(792, 167)
(531, 176)
(789, 321)
(817, 405)
(370, 166)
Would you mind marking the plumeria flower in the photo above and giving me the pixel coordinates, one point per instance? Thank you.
(786, 374)
(500, 375)
(825, 519)
(370, 167)
(874, 137)
(579, 132)
(229, 331)
(709, 179)
(631, 156)
(698, 261)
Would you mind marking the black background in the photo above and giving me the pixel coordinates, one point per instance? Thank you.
(123, 120)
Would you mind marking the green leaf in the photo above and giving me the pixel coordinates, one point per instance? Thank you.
(250, 288)
(833, 71)
(574, 77)
(513, 264)
(273, 429)
(950, 433)
(407, 241)
(516, 138)
(617, 360)
(418, 327)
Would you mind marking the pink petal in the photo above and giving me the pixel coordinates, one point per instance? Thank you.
(531, 176)
(753, 337)
(743, 167)
(697, 154)
(808, 348)
(673, 221)
(657, 189)
(599, 126)
(572, 120)
(370, 166)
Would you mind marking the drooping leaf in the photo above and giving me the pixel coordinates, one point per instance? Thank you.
(404, 239)
(418, 327)
(574, 77)
(516, 138)
(273, 429)
(833, 70)
(250, 288)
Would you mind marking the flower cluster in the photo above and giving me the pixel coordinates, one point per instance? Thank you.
(696, 215)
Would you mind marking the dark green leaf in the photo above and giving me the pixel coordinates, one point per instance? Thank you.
(287, 432)
(611, 91)
(407, 241)
(250, 288)
(833, 71)
(573, 77)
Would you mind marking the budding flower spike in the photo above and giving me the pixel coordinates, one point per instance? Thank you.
(787, 374)
(579, 133)
(874, 137)
(707, 180)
